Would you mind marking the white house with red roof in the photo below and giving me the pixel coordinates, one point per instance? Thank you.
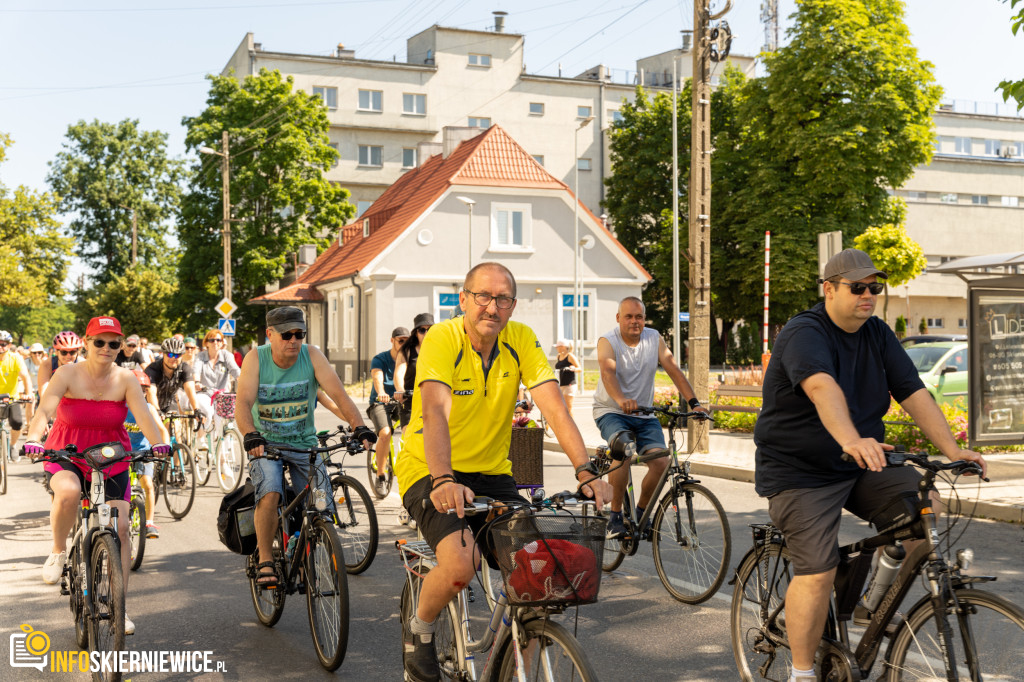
(409, 253)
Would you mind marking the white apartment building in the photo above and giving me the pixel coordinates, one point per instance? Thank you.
(388, 116)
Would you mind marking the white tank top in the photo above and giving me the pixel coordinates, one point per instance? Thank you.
(634, 369)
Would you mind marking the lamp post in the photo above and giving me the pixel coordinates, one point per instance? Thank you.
(577, 282)
(135, 232)
(586, 243)
(224, 155)
(469, 204)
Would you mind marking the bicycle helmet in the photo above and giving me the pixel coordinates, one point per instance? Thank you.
(173, 345)
(67, 341)
(6, 336)
(142, 377)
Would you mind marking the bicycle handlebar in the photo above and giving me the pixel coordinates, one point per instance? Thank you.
(899, 457)
(481, 504)
(273, 451)
(651, 409)
(133, 456)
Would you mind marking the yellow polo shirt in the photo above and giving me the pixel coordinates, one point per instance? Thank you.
(10, 370)
(480, 423)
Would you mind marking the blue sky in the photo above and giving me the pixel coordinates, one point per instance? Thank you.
(66, 60)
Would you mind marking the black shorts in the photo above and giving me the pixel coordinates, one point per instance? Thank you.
(436, 526)
(116, 487)
(809, 517)
(378, 414)
(16, 416)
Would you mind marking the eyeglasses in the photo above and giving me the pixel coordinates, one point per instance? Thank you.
(214, 341)
(131, 345)
(483, 300)
(173, 356)
(68, 352)
(190, 347)
(39, 352)
(99, 343)
(422, 330)
(298, 334)
(858, 288)
(4, 344)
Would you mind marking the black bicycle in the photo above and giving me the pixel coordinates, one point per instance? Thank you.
(176, 476)
(356, 517)
(954, 632)
(307, 558)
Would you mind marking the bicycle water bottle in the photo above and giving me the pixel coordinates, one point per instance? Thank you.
(889, 563)
(292, 541)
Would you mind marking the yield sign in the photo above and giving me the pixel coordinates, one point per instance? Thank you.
(225, 308)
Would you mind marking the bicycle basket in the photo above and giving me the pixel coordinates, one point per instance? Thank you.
(104, 454)
(224, 405)
(549, 559)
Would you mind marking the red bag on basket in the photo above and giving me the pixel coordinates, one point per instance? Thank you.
(575, 577)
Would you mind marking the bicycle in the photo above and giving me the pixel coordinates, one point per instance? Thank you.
(177, 475)
(393, 410)
(92, 575)
(6, 446)
(520, 640)
(953, 632)
(222, 449)
(689, 534)
(356, 517)
(306, 561)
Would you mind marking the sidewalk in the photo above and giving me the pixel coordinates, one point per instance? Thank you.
(731, 456)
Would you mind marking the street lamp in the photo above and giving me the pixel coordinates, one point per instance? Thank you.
(225, 158)
(586, 243)
(577, 283)
(469, 204)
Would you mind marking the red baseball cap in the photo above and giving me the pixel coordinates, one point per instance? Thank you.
(103, 325)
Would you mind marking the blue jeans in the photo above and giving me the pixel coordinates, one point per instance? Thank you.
(646, 430)
(268, 475)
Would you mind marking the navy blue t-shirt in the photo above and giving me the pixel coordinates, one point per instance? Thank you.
(386, 364)
(794, 450)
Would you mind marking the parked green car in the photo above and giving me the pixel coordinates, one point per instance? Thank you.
(943, 369)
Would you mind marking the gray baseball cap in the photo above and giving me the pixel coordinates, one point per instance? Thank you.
(853, 264)
(286, 319)
(398, 332)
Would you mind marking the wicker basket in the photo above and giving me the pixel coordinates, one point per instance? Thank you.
(549, 559)
(527, 454)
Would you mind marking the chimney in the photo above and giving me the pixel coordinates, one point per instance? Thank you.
(257, 47)
(452, 136)
(687, 40)
(499, 21)
(341, 53)
(424, 150)
(307, 254)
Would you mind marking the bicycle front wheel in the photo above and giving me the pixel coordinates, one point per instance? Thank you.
(106, 627)
(692, 544)
(757, 631)
(230, 457)
(549, 652)
(137, 532)
(988, 625)
(203, 468)
(5, 448)
(327, 594)
(357, 523)
(268, 601)
(179, 481)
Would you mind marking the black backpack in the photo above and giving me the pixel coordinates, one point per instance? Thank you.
(235, 522)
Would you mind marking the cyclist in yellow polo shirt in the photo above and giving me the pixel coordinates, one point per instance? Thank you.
(456, 445)
(12, 371)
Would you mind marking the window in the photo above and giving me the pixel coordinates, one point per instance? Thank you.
(510, 227)
(615, 116)
(566, 312)
(409, 157)
(961, 323)
(414, 104)
(539, 158)
(480, 60)
(583, 164)
(948, 198)
(935, 323)
(371, 100)
(332, 335)
(583, 112)
(979, 199)
(366, 227)
(362, 207)
(1010, 201)
(536, 108)
(917, 196)
(476, 122)
(334, 146)
(370, 155)
(328, 95)
(349, 319)
(992, 147)
(962, 145)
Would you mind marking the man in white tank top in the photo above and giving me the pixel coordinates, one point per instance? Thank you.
(629, 356)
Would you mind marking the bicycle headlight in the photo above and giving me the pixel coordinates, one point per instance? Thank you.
(964, 558)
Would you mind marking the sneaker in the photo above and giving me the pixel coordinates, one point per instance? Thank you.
(616, 528)
(403, 517)
(152, 530)
(420, 657)
(54, 567)
(129, 626)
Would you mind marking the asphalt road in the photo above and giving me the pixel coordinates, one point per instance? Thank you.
(191, 594)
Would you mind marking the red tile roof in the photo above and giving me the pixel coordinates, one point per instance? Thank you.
(297, 292)
(491, 159)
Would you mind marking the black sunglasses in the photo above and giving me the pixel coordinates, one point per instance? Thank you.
(858, 288)
(422, 330)
(99, 343)
(68, 352)
(298, 334)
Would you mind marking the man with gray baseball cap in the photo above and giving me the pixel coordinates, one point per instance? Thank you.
(286, 318)
(827, 387)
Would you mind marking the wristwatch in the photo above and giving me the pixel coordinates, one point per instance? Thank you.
(590, 467)
(694, 403)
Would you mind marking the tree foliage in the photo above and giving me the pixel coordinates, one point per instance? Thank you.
(1015, 88)
(30, 324)
(894, 252)
(34, 255)
(140, 298)
(278, 151)
(103, 172)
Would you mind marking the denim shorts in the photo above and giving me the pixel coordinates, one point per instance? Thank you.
(646, 430)
(268, 475)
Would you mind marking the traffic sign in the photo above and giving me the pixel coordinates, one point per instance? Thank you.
(226, 327)
(684, 317)
(225, 308)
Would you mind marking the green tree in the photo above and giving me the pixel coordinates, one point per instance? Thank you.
(103, 172)
(139, 298)
(1015, 88)
(280, 199)
(29, 324)
(34, 255)
(894, 252)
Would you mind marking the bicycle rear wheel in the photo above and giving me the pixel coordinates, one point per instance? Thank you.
(230, 457)
(357, 523)
(761, 583)
(5, 448)
(549, 653)
(179, 481)
(136, 533)
(106, 628)
(269, 603)
(692, 544)
(989, 625)
(203, 468)
(327, 594)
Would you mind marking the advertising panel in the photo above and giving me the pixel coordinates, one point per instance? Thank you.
(997, 366)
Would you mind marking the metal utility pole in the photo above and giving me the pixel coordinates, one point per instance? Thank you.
(676, 338)
(577, 275)
(705, 49)
(135, 233)
(770, 19)
(225, 177)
